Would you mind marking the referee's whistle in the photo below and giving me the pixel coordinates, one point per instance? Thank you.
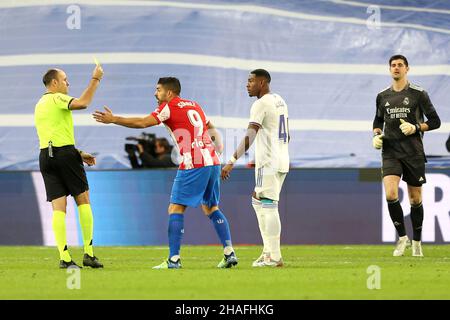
(50, 149)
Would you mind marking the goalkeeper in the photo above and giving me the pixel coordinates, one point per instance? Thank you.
(400, 109)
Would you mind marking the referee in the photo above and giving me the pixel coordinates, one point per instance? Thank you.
(400, 110)
(61, 164)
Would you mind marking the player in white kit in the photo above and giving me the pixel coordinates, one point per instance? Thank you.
(269, 127)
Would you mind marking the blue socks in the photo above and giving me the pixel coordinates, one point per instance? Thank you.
(222, 227)
(176, 230)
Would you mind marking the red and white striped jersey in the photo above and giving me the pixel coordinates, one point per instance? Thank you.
(188, 126)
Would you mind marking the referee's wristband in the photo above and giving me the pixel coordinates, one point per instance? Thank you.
(232, 160)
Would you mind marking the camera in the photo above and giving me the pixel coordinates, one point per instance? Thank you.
(147, 140)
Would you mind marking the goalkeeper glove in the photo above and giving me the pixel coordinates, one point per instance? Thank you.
(377, 141)
(408, 128)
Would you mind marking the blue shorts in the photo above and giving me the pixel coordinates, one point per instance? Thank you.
(194, 186)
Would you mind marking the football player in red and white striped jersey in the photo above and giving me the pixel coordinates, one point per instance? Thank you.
(198, 178)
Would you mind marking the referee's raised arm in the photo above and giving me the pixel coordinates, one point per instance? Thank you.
(86, 97)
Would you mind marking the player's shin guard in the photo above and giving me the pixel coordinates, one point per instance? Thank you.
(257, 206)
(87, 227)
(222, 227)
(417, 220)
(176, 230)
(273, 227)
(59, 229)
(396, 213)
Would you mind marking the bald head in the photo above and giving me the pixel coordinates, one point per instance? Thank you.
(55, 80)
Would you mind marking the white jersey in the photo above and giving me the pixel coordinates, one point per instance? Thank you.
(270, 113)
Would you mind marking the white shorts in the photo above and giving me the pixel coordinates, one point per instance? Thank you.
(268, 185)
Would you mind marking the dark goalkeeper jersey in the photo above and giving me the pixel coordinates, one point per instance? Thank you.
(410, 104)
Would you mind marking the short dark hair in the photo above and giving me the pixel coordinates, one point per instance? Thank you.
(262, 73)
(49, 76)
(171, 83)
(398, 56)
(163, 142)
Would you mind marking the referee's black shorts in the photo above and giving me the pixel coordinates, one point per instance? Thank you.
(411, 169)
(64, 173)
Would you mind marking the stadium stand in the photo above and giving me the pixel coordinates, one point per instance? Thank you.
(326, 58)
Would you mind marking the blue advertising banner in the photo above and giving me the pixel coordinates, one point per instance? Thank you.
(317, 206)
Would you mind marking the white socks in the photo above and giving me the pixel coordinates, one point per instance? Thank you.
(269, 226)
(228, 250)
(273, 229)
(261, 223)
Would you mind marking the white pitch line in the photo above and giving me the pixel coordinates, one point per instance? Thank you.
(164, 58)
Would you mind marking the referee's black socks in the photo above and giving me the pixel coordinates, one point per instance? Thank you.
(417, 221)
(396, 213)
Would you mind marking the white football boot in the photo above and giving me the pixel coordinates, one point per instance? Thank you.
(260, 260)
(269, 262)
(402, 244)
(417, 249)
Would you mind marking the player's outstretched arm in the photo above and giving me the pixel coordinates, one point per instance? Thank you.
(88, 94)
(245, 144)
(108, 117)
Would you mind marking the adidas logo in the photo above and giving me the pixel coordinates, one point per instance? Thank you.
(387, 104)
(220, 221)
(421, 179)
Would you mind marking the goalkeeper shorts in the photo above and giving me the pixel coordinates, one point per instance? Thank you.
(411, 170)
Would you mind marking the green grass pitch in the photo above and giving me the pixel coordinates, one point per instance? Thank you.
(310, 272)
